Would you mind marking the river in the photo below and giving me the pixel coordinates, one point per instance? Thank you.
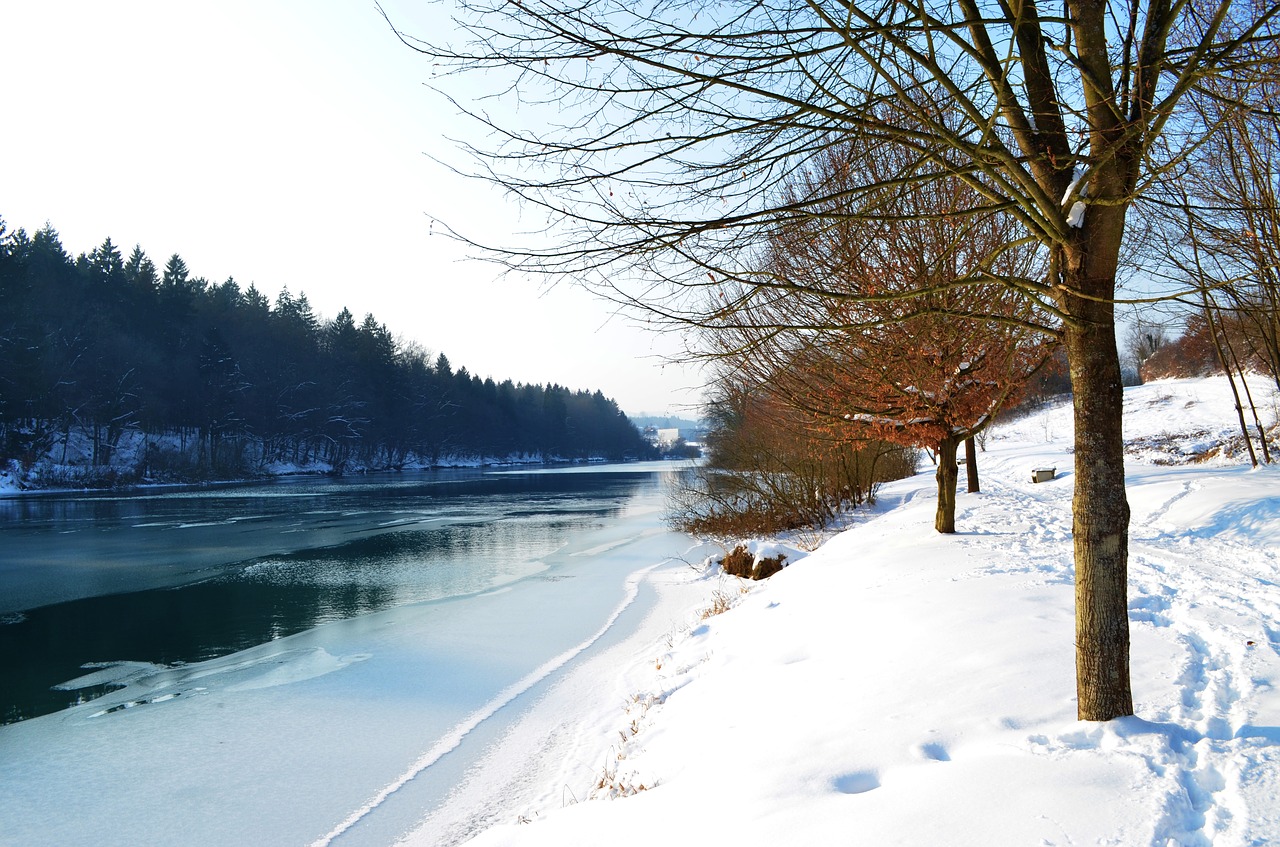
(261, 663)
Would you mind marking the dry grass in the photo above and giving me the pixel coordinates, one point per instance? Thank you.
(610, 786)
(740, 562)
(724, 597)
(721, 602)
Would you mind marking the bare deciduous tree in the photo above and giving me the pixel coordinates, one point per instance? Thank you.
(1221, 230)
(1229, 214)
(668, 128)
(882, 343)
(1145, 336)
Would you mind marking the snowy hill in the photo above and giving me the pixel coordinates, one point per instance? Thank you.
(902, 687)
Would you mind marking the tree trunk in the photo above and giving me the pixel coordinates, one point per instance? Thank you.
(971, 465)
(947, 477)
(1100, 509)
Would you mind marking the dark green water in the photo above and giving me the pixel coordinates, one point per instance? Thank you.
(183, 576)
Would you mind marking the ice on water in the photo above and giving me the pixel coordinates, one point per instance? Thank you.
(283, 742)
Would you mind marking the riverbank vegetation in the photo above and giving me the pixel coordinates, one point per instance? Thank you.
(114, 371)
(769, 470)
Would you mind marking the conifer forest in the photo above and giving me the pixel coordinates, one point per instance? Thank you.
(208, 380)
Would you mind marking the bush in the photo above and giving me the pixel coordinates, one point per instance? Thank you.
(804, 494)
(771, 470)
(741, 563)
(82, 476)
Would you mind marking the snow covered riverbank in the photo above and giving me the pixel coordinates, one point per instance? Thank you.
(902, 687)
(129, 469)
(894, 687)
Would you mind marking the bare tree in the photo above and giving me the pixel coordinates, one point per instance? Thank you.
(1198, 255)
(664, 131)
(1145, 336)
(881, 343)
(1229, 215)
(1221, 231)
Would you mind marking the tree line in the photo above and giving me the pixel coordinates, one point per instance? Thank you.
(104, 346)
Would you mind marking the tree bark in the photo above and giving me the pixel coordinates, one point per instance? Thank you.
(1100, 508)
(971, 465)
(947, 477)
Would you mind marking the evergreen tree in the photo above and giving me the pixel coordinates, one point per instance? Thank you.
(104, 344)
(140, 271)
(175, 273)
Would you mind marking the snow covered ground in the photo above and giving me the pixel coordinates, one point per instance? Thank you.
(894, 687)
(902, 687)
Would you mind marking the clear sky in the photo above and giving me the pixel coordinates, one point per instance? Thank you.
(290, 143)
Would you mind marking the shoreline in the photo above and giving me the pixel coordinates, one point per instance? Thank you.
(555, 749)
(510, 758)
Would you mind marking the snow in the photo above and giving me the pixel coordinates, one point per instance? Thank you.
(10, 474)
(895, 686)
(900, 686)
(67, 461)
(1075, 217)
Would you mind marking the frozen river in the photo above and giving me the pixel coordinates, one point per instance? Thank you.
(314, 661)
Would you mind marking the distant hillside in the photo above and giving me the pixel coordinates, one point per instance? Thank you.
(117, 371)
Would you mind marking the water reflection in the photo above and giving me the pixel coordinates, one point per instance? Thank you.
(164, 627)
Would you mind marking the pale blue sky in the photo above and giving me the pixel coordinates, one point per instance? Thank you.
(289, 143)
